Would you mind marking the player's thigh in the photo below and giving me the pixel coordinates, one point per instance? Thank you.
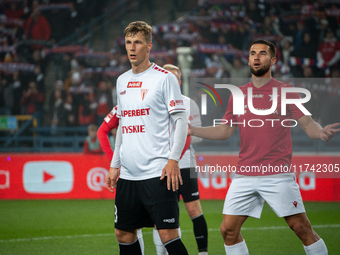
(242, 198)
(161, 203)
(129, 210)
(282, 194)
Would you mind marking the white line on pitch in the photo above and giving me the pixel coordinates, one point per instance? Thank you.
(149, 232)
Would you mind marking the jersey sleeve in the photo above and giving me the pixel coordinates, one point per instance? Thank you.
(292, 109)
(172, 94)
(229, 112)
(195, 117)
(110, 122)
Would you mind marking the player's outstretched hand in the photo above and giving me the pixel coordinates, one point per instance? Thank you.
(329, 131)
(173, 173)
(111, 179)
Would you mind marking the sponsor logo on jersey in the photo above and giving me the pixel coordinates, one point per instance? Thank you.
(295, 203)
(48, 177)
(172, 220)
(176, 102)
(134, 113)
(143, 92)
(123, 92)
(133, 129)
(135, 84)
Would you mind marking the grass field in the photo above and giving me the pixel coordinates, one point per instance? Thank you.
(87, 227)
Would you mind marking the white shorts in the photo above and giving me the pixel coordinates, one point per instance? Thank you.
(246, 195)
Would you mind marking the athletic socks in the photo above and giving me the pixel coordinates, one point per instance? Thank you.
(140, 239)
(176, 247)
(201, 232)
(130, 248)
(237, 249)
(317, 248)
(160, 249)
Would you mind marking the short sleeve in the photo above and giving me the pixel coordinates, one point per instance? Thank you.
(172, 94)
(293, 110)
(195, 117)
(111, 119)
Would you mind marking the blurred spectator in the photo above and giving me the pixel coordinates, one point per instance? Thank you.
(58, 111)
(298, 38)
(91, 143)
(329, 50)
(235, 70)
(87, 110)
(70, 111)
(39, 78)
(17, 92)
(286, 50)
(307, 49)
(58, 86)
(104, 100)
(32, 101)
(6, 97)
(77, 94)
(253, 12)
(213, 66)
(14, 11)
(322, 30)
(37, 27)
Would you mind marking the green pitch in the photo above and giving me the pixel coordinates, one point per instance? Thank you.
(86, 227)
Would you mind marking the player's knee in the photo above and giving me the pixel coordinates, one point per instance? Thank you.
(125, 237)
(194, 212)
(228, 233)
(301, 229)
(168, 234)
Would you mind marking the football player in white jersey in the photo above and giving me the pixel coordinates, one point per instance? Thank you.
(148, 147)
(189, 189)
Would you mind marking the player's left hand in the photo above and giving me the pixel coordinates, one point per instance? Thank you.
(111, 179)
(173, 173)
(328, 132)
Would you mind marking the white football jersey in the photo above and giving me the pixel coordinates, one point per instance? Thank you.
(194, 119)
(145, 102)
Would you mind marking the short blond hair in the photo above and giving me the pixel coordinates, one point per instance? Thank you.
(171, 67)
(139, 27)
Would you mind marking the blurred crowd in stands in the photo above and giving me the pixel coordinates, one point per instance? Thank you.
(305, 32)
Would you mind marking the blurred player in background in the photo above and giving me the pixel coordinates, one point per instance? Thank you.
(269, 144)
(91, 143)
(148, 147)
(189, 189)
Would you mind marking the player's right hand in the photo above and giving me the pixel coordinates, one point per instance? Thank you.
(111, 179)
(329, 131)
(173, 173)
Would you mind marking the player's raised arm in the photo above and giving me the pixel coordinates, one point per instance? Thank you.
(315, 131)
(221, 132)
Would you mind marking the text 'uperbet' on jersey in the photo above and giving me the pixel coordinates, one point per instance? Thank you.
(145, 102)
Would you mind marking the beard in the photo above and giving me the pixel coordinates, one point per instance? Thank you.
(260, 72)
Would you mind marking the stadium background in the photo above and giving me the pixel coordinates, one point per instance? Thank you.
(80, 53)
